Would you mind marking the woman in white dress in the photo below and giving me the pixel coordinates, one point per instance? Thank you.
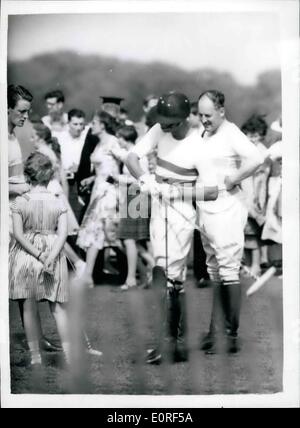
(102, 210)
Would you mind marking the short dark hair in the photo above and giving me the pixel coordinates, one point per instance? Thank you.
(42, 131)
(16, 93)
(255, 123)
(57, 93)
(75, 112)
(109, 122)
(128, 132)
(217, 97)
(38, 169)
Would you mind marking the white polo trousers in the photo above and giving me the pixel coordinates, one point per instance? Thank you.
(180, 235)
(222, 235)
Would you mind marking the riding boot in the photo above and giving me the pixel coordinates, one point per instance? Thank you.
(232, 290)
(159, 285)
(225, 308)
(181, 351)
(208, 341)
(172, 320)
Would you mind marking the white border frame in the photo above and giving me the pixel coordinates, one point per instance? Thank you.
(288, 11)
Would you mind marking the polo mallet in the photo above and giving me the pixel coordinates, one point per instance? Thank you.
(261, 281)
(166, 239)
(174, 312)
(159, 284)
(90, 349)
(168, 314)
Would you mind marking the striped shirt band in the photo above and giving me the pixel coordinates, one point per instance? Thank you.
(192, 172)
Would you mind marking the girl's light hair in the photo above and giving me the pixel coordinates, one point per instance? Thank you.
(38, 169)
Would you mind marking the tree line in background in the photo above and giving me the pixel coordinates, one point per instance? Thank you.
(84, 78)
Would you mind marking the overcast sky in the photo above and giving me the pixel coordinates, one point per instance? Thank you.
(244, 44)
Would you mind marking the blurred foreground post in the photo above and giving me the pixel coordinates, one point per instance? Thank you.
(79, 379)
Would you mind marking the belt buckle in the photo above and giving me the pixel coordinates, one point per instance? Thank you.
(176, 285)
(70, 176)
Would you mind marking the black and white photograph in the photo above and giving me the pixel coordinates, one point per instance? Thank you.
(149, 215)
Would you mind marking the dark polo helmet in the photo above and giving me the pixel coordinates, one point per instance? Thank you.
(173, 106)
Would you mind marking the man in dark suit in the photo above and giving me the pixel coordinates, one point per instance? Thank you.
(84, 172)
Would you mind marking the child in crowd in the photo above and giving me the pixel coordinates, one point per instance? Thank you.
(134, 211)
(272, 230)
(58, 185)
(255, 189)
(37, 265)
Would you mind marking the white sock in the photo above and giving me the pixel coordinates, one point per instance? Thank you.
(67, 351)
(35, 352)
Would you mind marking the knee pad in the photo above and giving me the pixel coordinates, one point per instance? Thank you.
(230, 275)
(233, 281)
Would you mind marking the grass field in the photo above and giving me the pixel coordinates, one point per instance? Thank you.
(120, 324)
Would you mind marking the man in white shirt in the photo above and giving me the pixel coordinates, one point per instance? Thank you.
(180, 165)
(71, 143)
(222, 222)
(56, 119)
(19, 104)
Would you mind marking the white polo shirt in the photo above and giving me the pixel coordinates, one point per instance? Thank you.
(181, 161)
(15, 161)
(228, 148)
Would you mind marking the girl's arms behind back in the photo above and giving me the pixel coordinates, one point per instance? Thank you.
(62, 233)
(20, 238)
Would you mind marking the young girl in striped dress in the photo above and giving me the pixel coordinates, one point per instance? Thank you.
(49, 146)
(37, 265)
